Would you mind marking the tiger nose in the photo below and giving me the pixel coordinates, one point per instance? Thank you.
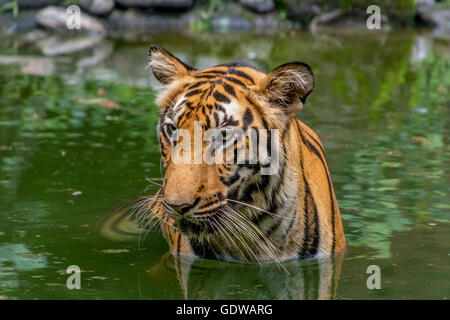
(182, 208)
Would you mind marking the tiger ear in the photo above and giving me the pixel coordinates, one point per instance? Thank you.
(165, 66)
(288, 85)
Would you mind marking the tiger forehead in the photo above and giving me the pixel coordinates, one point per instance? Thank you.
(215, 105)
(216, 96)
(227, 78)
(238, 73)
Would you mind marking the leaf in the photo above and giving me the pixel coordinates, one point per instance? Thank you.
(115, 251)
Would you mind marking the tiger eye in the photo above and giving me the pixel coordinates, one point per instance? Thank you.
(171, 132)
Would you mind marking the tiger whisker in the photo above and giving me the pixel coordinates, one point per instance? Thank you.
(143, 211)
(249, 229)
(245, 245)
(153, 182)
(260, 209)
(224, 226)
(150, 219)
(248, 232)
(257, 235)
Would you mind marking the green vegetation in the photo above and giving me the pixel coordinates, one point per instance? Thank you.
(13, 6)
(399, 177)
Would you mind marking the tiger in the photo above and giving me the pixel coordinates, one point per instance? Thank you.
(307, 279)
(228, 210)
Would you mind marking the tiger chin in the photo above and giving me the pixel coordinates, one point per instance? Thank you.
(231, 210)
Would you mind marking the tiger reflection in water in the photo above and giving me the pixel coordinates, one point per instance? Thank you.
(310, 279)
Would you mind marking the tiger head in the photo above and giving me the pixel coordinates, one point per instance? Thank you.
(224, 99)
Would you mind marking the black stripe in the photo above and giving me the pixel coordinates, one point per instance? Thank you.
(203, 251)
(291, 224)
(232, 179)
(220, 108)
(210, 90)
(243, 64)
(248, 119)
(230, 121)
(178, 251)
(316, 234)
(330, 189)
(208, 122)
(213, 71)
(275, 191)
(317, 142)
(216, 118)
(229, 89)
(274, 204)
(189, 105)
(274, 227)
(206, 76)
(304, 249)
(210, 203)
(193, 92)
(197, 84)
(234, 80)
(265, 124)
(241, 74)
(221, 97)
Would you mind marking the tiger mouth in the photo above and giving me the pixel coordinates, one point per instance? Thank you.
(200, 223)
(208, 213)
(195, 215)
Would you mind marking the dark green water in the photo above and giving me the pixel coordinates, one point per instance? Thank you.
(79, 142)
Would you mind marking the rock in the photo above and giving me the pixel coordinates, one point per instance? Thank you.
(173, 4)
(231, 23)
(437, 16)
(259, 6)
(135, 3)
(234, 17)
(139, 22)
(100, 52)
(32, 65)
(304, 11)
(421, 49)
(55, 18)
(33, 4)
(158, 4)
(34, 36)
(25, 21)
(63, 45)
(425, 2)
(342, 20)
(98, 7)
(399, 13)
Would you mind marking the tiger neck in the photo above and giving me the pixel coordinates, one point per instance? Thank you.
(278, 194)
